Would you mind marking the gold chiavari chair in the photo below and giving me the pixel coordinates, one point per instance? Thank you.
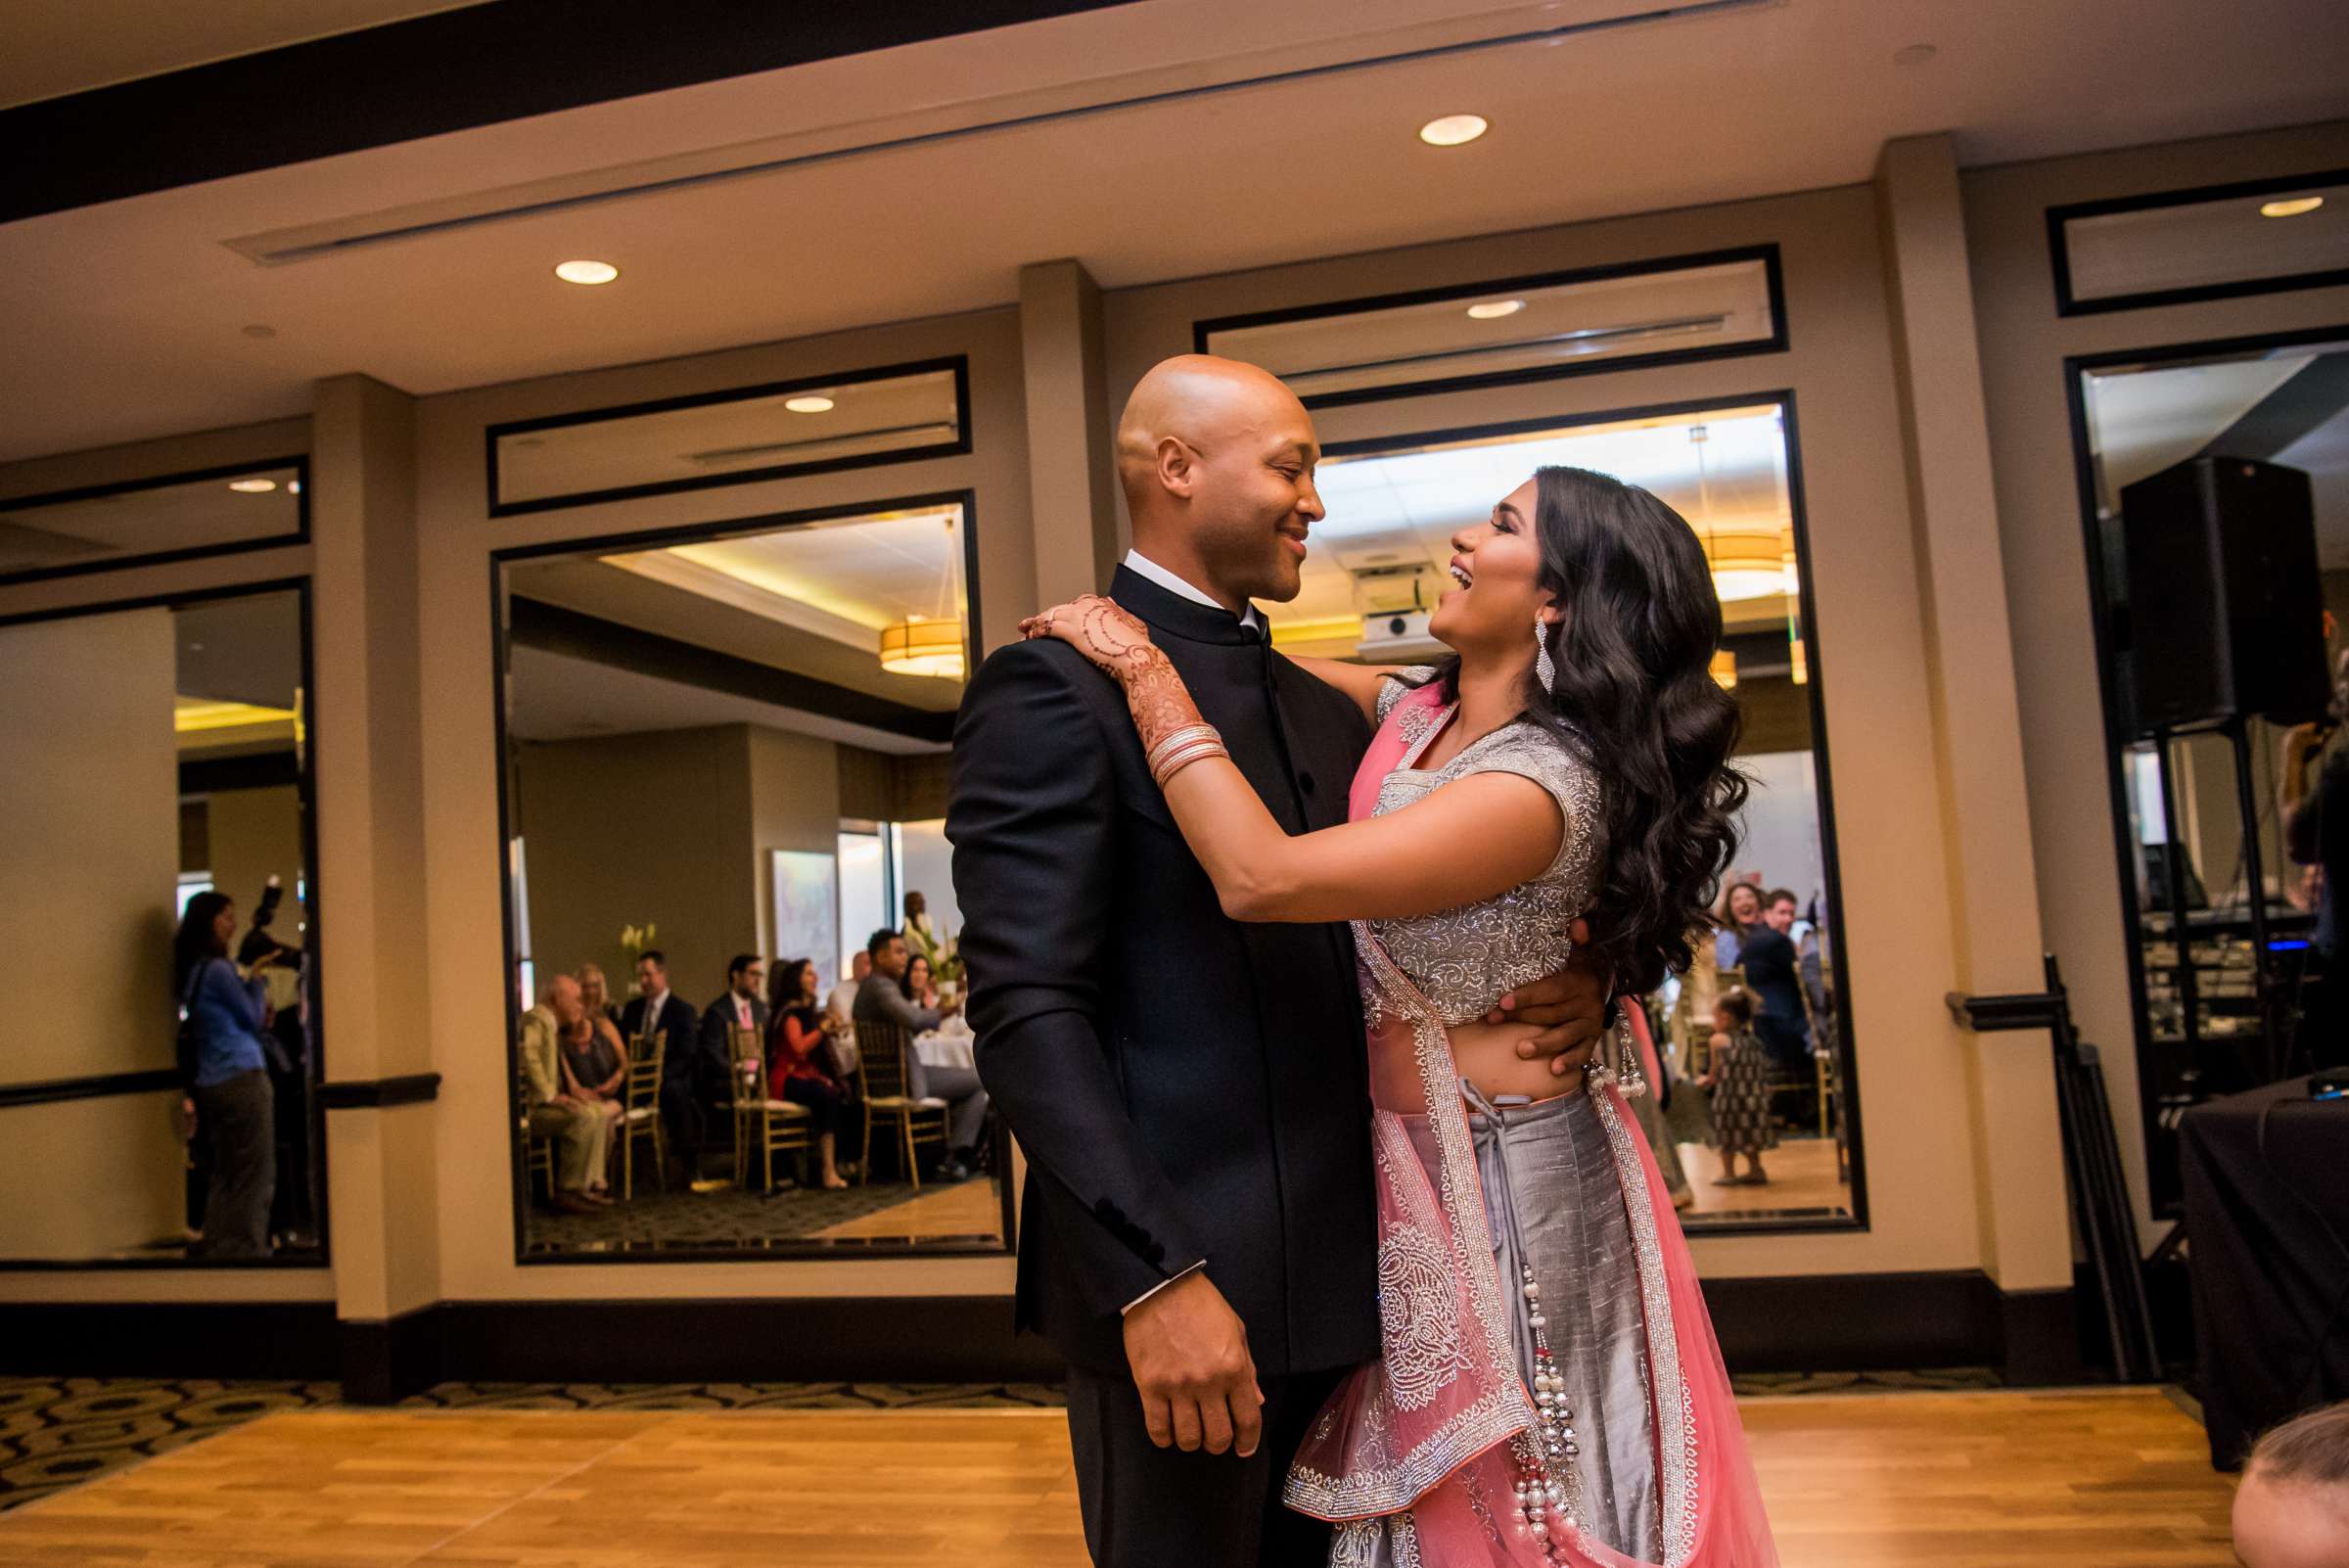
(538, 1150)
(640, 1111)
(761, 1123)
(885, 1086)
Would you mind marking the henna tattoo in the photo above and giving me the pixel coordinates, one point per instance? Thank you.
(1120, 643)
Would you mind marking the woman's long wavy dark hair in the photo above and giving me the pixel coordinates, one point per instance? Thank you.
(1634, 697)
(192, 942)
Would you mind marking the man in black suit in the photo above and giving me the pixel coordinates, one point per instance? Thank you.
(1199, 1239)
(673, 1018)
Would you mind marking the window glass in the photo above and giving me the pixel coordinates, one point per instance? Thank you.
(117, 525)
(1508, 330)
(727, 438)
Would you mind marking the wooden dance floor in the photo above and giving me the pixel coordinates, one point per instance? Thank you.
(2115, 1478)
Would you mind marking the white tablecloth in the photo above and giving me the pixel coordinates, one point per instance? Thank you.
(945, 1047)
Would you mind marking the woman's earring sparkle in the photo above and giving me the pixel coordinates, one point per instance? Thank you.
(1543, 670)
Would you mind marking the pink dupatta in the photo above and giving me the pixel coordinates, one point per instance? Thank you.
(1423, 1455)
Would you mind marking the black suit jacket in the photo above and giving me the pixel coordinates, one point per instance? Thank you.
(1186, 1086)
(719, 1017)
(678, 1027)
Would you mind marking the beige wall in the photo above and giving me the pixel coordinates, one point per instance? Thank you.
(252, 835)
(1868, 651)
(2024, 345)
(89, 836)
(795, 804)
(459, 850)
(626, 830)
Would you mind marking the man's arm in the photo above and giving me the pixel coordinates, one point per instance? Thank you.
(1031, 816)
(893, 1005)
(535, 1062)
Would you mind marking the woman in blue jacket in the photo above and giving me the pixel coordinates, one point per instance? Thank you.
(227, 1013)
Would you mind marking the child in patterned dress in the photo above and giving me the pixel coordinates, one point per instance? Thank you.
(1734, 1067)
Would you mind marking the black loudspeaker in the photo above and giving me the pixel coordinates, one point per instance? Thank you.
(2226, 612)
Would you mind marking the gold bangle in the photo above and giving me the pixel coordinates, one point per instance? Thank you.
(1199, 752)
(1175, 740)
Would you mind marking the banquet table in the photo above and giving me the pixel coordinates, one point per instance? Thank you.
(945, 1047)
(2267, 1204)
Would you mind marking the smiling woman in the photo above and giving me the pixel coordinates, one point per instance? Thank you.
(1387, 561)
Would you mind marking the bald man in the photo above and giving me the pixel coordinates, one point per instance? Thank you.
(1197, 1237)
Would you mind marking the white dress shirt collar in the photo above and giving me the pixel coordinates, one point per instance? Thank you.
(1142, 565)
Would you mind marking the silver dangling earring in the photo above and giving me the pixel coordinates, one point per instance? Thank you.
(1543, 670)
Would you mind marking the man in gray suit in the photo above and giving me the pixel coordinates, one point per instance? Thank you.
(880, 1000)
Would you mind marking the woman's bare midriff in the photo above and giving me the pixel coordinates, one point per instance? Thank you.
(1485, 1054)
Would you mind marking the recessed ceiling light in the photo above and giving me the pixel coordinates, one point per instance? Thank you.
(1495, 309)
(2291, 207)
(253, 486)
(1913, 55)
(587, 272)
(1452, 131)
(813, 404)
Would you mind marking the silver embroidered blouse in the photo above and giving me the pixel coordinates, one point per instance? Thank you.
(1465, 960)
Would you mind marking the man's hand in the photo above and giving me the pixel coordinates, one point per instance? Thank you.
(1189, 1355)
(1570, 1006)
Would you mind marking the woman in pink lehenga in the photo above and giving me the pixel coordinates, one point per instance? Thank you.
(1548, 1389)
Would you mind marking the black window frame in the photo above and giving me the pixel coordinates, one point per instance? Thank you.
(1774, 282)
(300, 463)
(960, 445)
(55, 1091)
(798, 1249)
(2160, 1148)
(2060, 252)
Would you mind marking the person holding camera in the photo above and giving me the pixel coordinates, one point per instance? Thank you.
(226, 1051)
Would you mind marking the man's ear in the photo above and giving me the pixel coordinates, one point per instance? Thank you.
(1175, 468)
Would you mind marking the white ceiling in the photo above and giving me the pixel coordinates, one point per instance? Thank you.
(52, 47)
(125, 320)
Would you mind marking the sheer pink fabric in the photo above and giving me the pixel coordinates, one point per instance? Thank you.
(1420, 1454)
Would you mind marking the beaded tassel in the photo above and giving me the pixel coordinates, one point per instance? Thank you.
(1547, 1498)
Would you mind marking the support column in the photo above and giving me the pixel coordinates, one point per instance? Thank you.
(368, 726)
(1072, 476)
(1977, 731)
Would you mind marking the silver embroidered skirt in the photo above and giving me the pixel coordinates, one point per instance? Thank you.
(1555, 1199)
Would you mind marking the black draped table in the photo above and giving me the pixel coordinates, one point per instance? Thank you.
(2267, 1224)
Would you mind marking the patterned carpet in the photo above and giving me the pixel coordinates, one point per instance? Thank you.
(57, 1432)
(732, 1221)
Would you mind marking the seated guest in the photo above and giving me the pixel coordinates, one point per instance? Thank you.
(2293, 1508)
(655, 1009)
(741, 1007)
(799, 1063)
(596, 991)
(839, 1008)
(596, 1064)
(883, 1001)
(918, 987)
(1772, 973)
(581, 1131)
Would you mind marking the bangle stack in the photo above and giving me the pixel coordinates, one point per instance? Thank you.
(1193, 743)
